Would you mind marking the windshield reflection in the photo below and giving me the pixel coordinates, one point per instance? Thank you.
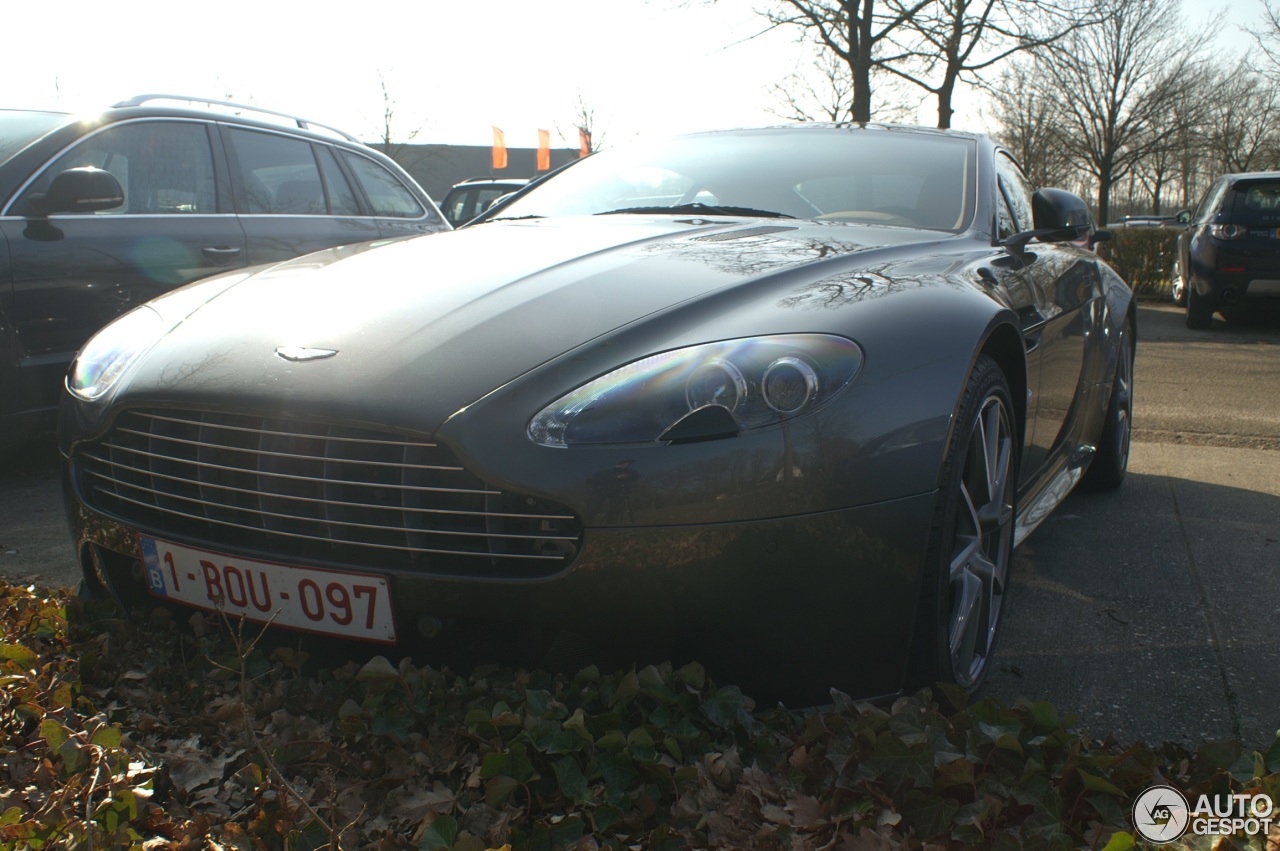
(838, 174)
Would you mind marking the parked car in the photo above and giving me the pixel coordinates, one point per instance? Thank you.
(1144, 222)
(782, 400)
(100, 214)
(1229, 253)
(473, 196)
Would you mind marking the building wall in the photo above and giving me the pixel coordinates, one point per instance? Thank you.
(438, 167)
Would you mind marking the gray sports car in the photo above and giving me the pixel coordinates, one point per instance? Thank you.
(783, 400)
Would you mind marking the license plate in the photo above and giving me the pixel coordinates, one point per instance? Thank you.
(331, 602)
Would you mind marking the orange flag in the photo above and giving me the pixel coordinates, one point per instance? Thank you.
(499, 149)
(544, 150)
(584, 142)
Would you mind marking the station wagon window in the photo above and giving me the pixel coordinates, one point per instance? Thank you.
(164, 167)
(386, 194)
(280, 175)
(342, 199)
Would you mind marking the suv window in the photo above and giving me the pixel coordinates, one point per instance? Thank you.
(1256, 203)
(280, 174)
(164, 167)
(385, 193)
(1209, 204)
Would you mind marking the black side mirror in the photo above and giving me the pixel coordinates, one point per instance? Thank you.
(1060, 216)
(80, 190)
(1183, 217)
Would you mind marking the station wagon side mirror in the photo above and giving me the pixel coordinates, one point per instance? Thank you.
(80, 190)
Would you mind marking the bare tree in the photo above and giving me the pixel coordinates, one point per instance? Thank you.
(853, 32)
(1029, 125)
(824, 94)
(1114, 86)
(952, 41)
(584, 121)
(390, 141)
(1243, 116)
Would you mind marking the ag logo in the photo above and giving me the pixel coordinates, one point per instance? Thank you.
(1161, 814)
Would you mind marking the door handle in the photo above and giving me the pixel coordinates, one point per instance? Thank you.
(221, 254)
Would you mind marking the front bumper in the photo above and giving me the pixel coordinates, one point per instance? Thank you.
(788, 608)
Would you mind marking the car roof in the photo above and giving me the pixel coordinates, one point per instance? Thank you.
(191, 106)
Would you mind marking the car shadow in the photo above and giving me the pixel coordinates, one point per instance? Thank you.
(1150, 611)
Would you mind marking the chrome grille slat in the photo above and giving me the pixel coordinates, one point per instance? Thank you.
(378, 546)
(345, 482)
(318, 493)
(330, 522)
(344, 504)
(283, 455)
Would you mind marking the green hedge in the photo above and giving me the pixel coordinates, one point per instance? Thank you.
(1143, 257)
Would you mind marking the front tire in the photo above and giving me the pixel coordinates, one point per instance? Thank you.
(971, 539)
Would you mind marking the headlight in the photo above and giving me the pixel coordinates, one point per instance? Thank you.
(109, 352)
(702, 392)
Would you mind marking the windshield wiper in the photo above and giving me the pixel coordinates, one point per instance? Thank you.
(704, 209)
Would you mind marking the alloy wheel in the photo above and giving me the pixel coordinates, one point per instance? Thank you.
(983, 542)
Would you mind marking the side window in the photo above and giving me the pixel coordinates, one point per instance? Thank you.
(1005, 226)
(164, 167)
(386, 193)
(278, 175)
(342, 199)
(1014, 188)
(1209, 204)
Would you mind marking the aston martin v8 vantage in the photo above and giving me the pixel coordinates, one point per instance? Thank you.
(783, 400)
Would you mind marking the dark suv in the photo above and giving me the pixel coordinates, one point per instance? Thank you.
(100, 214)
(1229, 254)
(473, 196)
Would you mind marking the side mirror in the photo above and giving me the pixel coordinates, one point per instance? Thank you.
(1060, 216)
(80, 190)
(1183, 217)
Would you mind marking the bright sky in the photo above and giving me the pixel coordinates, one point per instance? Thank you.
(454, 68)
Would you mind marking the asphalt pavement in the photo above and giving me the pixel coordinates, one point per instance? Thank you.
(1152, 611)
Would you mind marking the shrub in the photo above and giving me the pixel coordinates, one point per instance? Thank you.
(1143, 257)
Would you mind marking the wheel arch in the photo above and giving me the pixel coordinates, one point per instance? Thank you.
(1005, 346)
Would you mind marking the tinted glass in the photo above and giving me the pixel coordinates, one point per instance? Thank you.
(278, 175)
(19, 129)
(386, 193)
(1256, 203)
(1016, 191)
(342, 200)
(164, 167)
(865, 176)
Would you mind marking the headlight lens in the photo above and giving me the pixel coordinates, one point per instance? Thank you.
(732, 386)
(109, 352)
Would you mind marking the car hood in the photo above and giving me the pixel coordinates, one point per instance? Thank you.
(441, 320)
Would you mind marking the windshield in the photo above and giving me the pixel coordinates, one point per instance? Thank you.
(19, 129)
(868, 176)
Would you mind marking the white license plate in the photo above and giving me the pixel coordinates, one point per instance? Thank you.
(352, 605)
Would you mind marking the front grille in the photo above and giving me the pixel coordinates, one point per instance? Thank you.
(319, 492)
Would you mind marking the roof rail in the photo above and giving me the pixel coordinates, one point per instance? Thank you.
(139, 100)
